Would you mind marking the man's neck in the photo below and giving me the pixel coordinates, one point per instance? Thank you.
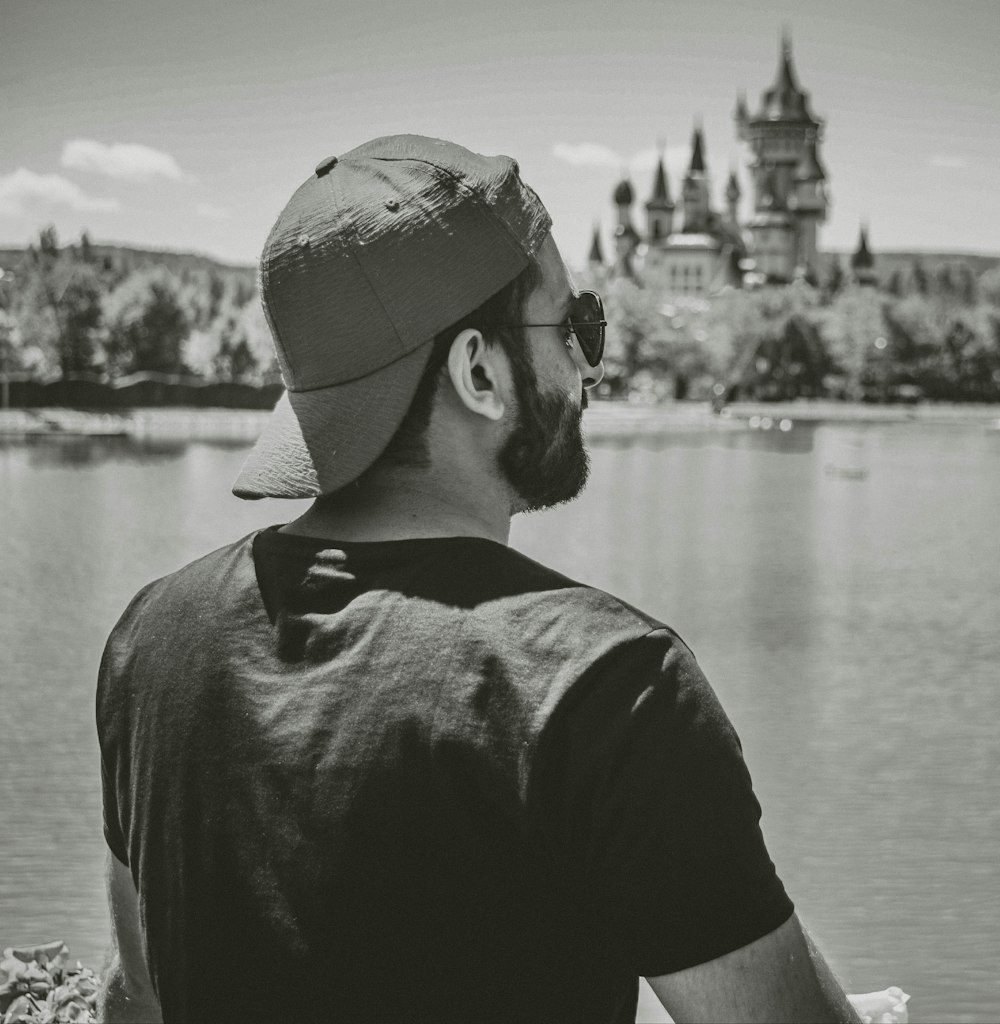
(402, 505)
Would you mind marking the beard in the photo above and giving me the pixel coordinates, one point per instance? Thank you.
(544, 458)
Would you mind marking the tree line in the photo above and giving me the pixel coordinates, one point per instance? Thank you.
(78, 310)
(71, 311)
(923, 335)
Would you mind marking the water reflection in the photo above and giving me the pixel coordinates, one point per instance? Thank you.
(796, 438)
(80, 450)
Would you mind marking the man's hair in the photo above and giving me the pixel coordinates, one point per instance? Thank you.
(408, 446)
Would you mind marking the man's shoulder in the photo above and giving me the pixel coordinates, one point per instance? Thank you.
(546, 617)
(587, 602)
(199, 582)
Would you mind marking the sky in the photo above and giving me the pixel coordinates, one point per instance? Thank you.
(187, 125)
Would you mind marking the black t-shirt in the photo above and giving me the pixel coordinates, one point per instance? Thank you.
(422, 780)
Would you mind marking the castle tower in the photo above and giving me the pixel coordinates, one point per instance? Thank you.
(808, 203)
(626, 237)
(789, 182)
(596, 257)
(695, 193)
(773, 232)
(659, 208)
(733, 194)
(862, 261)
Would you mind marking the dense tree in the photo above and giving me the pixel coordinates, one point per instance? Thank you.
(851, 328)
(147, 324)
(236, 347)
(989, 287)
(635, 325)
(964, 281)
(243, 293)
(834, 281)
(895, 285)
(919, 281)
(57, 307)
(79, 305)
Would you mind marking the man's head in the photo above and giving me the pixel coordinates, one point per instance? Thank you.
(379, 257)
(512, 359)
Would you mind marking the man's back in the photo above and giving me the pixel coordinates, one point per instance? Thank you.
(419, 780)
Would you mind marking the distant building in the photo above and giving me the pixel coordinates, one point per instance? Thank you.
(691, 247)
(863, 262)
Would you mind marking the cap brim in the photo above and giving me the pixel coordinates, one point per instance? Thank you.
(317, 441)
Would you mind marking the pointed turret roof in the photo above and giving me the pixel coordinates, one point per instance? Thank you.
(660, 198)
(697, 152)
(742, 113)
(623, 194)
(862, 258)
(596, 255)
(785, 101)
(733, 192)
(809, 168)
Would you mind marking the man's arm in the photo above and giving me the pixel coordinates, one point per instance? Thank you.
(780, 977)
(127, 993)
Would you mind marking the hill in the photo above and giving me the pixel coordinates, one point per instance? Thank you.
(138, 259)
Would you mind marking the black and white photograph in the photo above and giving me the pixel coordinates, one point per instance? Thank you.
(499, 511)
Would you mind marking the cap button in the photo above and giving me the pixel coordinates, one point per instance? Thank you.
(325, 166)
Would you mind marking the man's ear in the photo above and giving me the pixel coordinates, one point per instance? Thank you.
(473, 367)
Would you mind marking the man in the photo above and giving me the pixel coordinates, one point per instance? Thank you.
(374, 765)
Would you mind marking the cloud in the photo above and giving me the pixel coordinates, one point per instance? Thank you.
(212, 212)
(594, 154)
(22, 186)
(587, 154)
(126, 160)
(950, 163)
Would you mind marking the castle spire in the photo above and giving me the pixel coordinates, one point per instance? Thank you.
(785, 82)
(661, 191)
(733, 192)
(623, 194)
(596, 255)
(742, 114)
(863, 262)
(660, 207)
(697, 151)
(786, 100)
(862, 258)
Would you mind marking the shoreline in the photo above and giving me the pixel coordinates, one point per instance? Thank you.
(602, 418)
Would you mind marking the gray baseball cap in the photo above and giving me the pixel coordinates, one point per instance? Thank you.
(378, 251)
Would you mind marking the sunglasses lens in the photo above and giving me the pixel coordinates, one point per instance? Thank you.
(587, 318)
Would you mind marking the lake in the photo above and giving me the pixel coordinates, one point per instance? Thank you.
(839, 584)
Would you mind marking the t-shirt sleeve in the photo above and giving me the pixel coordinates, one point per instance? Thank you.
(113, 835)
(113, 726)
(644, 794)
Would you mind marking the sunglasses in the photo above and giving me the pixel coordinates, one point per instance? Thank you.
(586, 320)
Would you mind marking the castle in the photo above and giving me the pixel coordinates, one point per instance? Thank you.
(693, 248)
